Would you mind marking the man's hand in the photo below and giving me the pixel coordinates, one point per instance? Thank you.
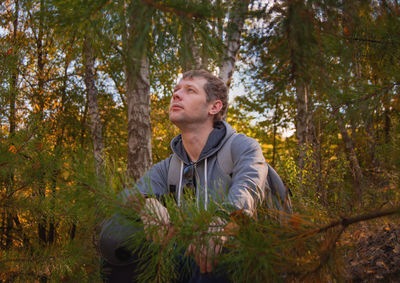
(205, 255)
(155, 214)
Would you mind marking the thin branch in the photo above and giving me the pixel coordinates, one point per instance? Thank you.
(346, 221)
(368, 96)
(106, 197)
(171, 10)
(365, 39)
(364, 98)
(370, 40)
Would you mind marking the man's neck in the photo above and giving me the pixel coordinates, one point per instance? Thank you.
(195, 138)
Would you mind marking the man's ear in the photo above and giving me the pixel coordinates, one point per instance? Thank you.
(216, 106)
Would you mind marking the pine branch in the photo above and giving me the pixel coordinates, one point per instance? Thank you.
(346, 221)
(363, 98)
(127, 205)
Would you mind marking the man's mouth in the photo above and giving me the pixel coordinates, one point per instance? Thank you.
(175, 107)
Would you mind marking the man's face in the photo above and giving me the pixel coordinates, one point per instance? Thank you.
(189, 102)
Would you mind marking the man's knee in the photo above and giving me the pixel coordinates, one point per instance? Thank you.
(118, 260)
(114, 241)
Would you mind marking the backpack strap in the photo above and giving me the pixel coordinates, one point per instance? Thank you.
(277, 193)
(224, 159)
(173, 174)
(224, 156)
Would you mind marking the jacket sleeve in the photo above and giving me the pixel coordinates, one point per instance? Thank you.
(154, 182)
(249, 174)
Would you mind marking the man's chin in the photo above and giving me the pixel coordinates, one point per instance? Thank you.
(174, 120)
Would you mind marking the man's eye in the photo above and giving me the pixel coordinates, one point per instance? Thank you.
(191, 89)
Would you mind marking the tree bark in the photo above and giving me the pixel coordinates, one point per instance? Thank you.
(139, 127)
(234, 31)
(188, 50)
(95, 120)
(39, 97)
(137, 83)
(302, 121)
(275, 126)
(358, 177)
(297, 40)
(9, 215)
(370, 131)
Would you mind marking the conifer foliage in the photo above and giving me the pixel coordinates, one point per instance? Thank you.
(84, 94)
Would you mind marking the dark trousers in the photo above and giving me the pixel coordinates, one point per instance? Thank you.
(126, 274)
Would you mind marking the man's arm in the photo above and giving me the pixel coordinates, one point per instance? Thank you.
(248, 175)
(153, 183)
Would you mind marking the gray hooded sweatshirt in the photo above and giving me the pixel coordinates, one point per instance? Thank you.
(242, 189)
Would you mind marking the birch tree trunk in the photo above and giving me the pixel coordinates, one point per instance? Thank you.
(95, 121)
(137, 83)
(8, 215)
(189, 54)
(232, 45)
(139, 128)
(301, 122)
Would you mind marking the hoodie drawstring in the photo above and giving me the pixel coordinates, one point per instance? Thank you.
(205, 185)
(180, 184)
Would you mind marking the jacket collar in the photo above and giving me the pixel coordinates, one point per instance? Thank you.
(221, 132)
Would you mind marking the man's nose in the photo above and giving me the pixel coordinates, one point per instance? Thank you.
(177, 95)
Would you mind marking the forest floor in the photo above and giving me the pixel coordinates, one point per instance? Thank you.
(376, 255)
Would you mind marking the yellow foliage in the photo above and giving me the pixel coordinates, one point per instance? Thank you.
(65, 174)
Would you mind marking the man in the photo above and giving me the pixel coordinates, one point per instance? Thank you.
(197, 107)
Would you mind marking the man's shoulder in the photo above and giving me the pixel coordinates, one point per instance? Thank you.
(240, 141)
(237, 139)
(163, 163)
(159, 170)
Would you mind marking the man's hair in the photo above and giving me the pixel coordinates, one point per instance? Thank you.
(215, 89)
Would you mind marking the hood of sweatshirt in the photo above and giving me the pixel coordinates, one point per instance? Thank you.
(216, 139)
(218, 136)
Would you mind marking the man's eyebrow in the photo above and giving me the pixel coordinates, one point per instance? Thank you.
(192, 86)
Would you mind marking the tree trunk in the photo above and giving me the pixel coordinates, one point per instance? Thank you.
(358, 177)
(370, 131)
(299, 58)
(40, 61)
(14, 74)
(302, 121)
(60, 139)
(305, 129)
(236, 21)
(189, 54)
(95, 120)
(275, 126)
(137, 84)
(9, 215)
(42, 225)
(139, 128)
(318, 166)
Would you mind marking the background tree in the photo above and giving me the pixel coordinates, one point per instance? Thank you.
(84, 83)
